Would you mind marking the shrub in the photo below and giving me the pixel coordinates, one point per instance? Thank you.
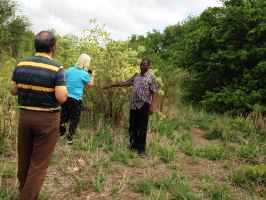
(214, 190)
(248, 175)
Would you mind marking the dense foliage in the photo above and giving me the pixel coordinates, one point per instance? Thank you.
(224, 51)
(14, 33)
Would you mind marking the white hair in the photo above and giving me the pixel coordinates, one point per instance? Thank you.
(83, 61)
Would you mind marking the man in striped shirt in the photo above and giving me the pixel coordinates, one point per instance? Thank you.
(39, 83)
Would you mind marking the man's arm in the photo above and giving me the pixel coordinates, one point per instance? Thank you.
(60, 87)
(120, 84)
(61, 94)
(13, 89)
(126, 83)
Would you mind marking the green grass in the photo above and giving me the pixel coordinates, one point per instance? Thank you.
(210, 152)
(145, 186)
(215, 191)
(7, 193)
(166, 127)
(8, 170)
(98, 182)
(248, 174)
(3, 146)
(109, 168)
(251, 178)
(248, 152)
(166, 152)
(174, 186)
(230, 129)
(80, 185)
(123, 155)
(90, 143)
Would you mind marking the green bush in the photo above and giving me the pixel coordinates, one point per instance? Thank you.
(102, 139)
(250, 175)
(98, 182)
(230, 129)
(7, 194)
(122, 155)
(214, 190)
(167, 154)
(144, 186)
(166, 127)
(175, 185)
(224, 50)
(248, 152)
(212, 152)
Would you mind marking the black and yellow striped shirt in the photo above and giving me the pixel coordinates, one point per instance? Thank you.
(36, 78)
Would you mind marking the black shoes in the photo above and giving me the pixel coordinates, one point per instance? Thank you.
(69, 140)
(62, 130)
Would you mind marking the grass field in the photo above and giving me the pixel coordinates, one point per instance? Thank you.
(192, 155)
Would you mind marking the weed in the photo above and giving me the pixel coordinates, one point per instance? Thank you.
(7, 193)
(212, 152)
(167, 154)
(252, 178)
(80, 185)
(175, 185)
(122, 155)
(144, 186)
(214, 190)
(98, 182)
(248, 152)
(8, 170)
(231, 129)
(102, 139)
(246, 175)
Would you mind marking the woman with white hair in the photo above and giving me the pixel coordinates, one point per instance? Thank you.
(77, 78)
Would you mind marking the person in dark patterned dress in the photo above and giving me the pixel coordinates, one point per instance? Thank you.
(142, 104)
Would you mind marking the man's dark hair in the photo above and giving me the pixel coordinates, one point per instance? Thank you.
(145, 61)
(44, 41)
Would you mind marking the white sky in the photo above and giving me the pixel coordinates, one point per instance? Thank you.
(121, 18)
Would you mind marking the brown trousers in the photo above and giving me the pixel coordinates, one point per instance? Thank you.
(37, 136)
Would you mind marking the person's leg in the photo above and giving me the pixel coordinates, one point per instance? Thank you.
(24, 145)
(143, 127)
(75, 110)
(46, 129)
(64, 117)
(132, 129)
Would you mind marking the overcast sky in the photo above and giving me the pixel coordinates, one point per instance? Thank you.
(121, 18)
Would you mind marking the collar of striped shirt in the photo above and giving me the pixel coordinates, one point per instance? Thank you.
(44, 55)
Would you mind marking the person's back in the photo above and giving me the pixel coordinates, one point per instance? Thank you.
(76, 79)
(39, 83)
(36, 78)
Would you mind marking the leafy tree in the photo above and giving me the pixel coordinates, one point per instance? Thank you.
(225, 53)
(12, 28)
(67, 50)
(111, 61)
